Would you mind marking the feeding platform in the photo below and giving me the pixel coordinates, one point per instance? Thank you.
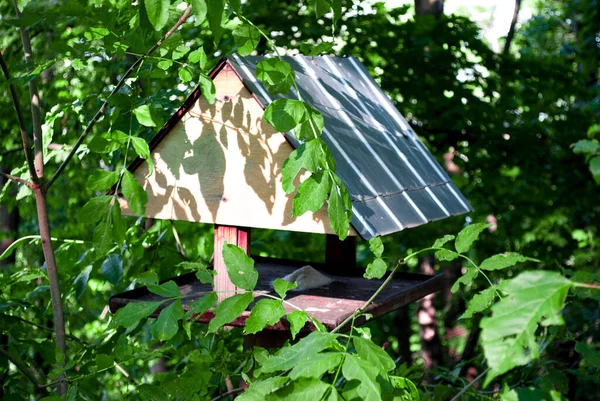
(221, 164)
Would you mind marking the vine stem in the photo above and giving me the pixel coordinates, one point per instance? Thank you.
(468, 386)
(119, 85)
(587, 285)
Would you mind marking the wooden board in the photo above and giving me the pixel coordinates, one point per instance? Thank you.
(221, 164)
(330, 305)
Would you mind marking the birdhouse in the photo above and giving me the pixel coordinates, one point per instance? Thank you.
(221, 164)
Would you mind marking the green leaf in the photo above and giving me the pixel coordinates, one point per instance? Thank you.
(259, 390)
(303, 350)
(446, 255)
(134, 193)
(318, 365)
(101, 180)
(468, 235)
(282, 287)
(311, 127)
(311, 49)
(595, 168)
(502, 261)
(297, 320)
(149, 392)
(207, 87)
(158, 12)
(112, 268)
(285, 114)
(167, 290)
(145, 116)
(311, 194)
(376, 246)
(81, 281)
(508, 337)
(200, 306)
(301, 390)
(147, 278)
(265, 313)
(166, 326)
(180, 51)
(480, 302)
(198, 56)
(278, 77)
(199, 7)
(94, 209)
(185, 74)
(142, 150)
(306, 156)
(404, 389)
(376, 269)
(440, 242)
(586, 146)
(164, 64)
(364, 376)
(240, 267)
(104, 361)
(465, 279)
(591, 356)
(11, 248)
(337, 211)
(246, 39)
(229, 310)
(370, 352)
(215, 17)
(130, 315)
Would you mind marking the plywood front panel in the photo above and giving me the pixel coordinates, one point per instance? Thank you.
(221, 164)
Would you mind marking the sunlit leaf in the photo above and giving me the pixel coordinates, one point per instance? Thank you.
(265, 313)
(281, 287)
(479, 302)
(229, 310)
(240, 267)
(289, 357)
(277, 76)
(158, 12)
(131, 314)
(297, 320)
(502, 261)
(311, 194)
(167, 290)
(246, 39)
(101, 180)
(468, 235)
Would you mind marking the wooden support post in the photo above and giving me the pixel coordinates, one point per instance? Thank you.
(239, 236)
(340, 256)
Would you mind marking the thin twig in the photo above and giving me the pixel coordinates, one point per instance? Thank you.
(27, 372)
(43, 327)
(121, 82)
(468, 386)
(235, 390)
(17, 105)
(17, 179)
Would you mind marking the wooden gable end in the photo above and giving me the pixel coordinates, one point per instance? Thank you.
(221, 164)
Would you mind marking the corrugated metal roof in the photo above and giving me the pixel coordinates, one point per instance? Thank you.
(394, 181)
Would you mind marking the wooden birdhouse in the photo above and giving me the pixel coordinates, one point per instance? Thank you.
(221, 164)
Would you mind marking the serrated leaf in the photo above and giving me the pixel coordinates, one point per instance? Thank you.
(311, 127)
(465, 279)
(590, 355)
(149, 392)
(365, 377)
(229, 310)
(277, 76)
(480, 302)
(317, 365)
(297, 320)
(440, 242)
(246, 38)
(376, 246)
(502, 261)
(446, 255)
(167, 324)
(157, 12)
(259, 390)
(112, 268)
(240, 267)
(306, 156)
(167, 290)
(134, 193)
(312, 193)
(133, 312)
(468, 235)
(285, 114)
(198, 56)
(508, 337)
(101, 180)
(282, 287)
(376, 269)
(265, 313)
(145, 116)
(94, 209)
(200, 306)
(306, 348)
(207, 87)
(303, 389)
(370, 352)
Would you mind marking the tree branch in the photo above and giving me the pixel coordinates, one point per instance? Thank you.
(511, 30)
(17, 105)
(19, 180)
(27, 372)
(43, 327)
(102, 109)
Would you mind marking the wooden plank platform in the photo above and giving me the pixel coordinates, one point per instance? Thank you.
(330, 304)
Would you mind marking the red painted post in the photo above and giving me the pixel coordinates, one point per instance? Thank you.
(239, 236)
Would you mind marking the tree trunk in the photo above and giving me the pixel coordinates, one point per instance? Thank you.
(511, 30)
(429, 7)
